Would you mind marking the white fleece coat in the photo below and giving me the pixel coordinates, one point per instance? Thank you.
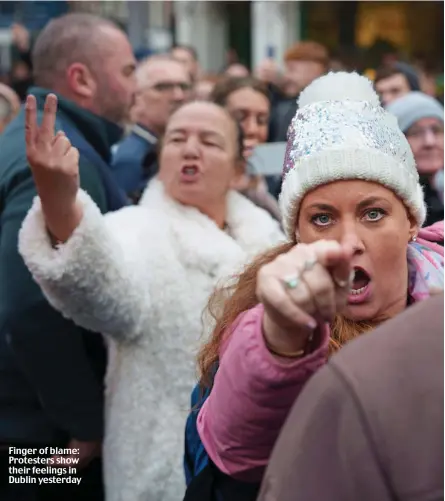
(142, 276)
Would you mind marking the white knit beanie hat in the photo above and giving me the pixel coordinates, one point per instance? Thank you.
(341, 132)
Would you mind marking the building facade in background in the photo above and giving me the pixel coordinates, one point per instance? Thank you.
(256, 29)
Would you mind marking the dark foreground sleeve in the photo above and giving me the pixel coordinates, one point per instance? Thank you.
(49, 349)
(324, 452)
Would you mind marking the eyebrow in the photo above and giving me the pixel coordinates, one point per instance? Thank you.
(176, 131)
(205, 133)
(326, 207)
(214, 134)
(361, 205)
(170, 81)
(371, 201)
(248, 110)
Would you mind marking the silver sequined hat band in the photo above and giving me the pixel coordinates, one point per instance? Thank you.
(332, 140)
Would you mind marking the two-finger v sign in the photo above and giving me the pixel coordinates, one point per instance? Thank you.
(43, 136)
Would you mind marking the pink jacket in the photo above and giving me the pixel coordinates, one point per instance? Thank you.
(253, 390)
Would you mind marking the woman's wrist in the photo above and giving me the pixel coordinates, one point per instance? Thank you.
(62, 224)
(285, 343)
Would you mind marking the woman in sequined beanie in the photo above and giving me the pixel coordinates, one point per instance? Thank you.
(357, 255)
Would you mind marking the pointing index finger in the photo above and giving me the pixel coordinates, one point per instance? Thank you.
(30, 121)
(342, 271)
(336, 258)
(46, 134)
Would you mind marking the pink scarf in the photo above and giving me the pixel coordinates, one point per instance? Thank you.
(425, 262)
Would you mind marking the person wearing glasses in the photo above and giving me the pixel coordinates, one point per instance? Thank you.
(163, 86)
(420, 118)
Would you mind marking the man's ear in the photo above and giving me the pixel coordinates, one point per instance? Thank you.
(81, 81)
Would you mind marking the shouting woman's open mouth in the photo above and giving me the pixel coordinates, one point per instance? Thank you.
(361, 286)
(189, 173)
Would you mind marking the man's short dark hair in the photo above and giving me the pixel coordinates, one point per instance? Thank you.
(189, 48)
(399, 68)
(65, 40)
(385, 72)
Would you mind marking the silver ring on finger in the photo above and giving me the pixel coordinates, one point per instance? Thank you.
(301, 294)
(319, 297)
(292, 281)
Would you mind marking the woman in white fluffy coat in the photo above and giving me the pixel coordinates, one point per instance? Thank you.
(142, 276)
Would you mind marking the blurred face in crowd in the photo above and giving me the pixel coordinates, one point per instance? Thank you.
(9, 106)
(426, 140)
(107, 84)
(20, 71)
(113, 90)
(391, 88)
(251, 109)
(199, 158)
(237, 70)
(299, 74)
(5, 113)
(163, 86)
(203, 89)
(268, 72)
(375, 222)
(12, 98)
(186, 58)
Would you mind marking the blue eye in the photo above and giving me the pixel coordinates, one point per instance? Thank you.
(321, 219)
(374, 214)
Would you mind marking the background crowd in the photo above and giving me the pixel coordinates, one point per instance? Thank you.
(126, 112)
(274, 86)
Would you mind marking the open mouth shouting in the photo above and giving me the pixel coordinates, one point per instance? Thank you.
(361, 286)
(189, 173)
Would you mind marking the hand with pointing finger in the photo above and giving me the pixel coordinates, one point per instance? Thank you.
(301, 289)
(55, 167)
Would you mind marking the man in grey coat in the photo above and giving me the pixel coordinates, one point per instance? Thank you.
(369, 425)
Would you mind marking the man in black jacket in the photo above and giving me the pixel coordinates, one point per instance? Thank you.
(51, 371)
